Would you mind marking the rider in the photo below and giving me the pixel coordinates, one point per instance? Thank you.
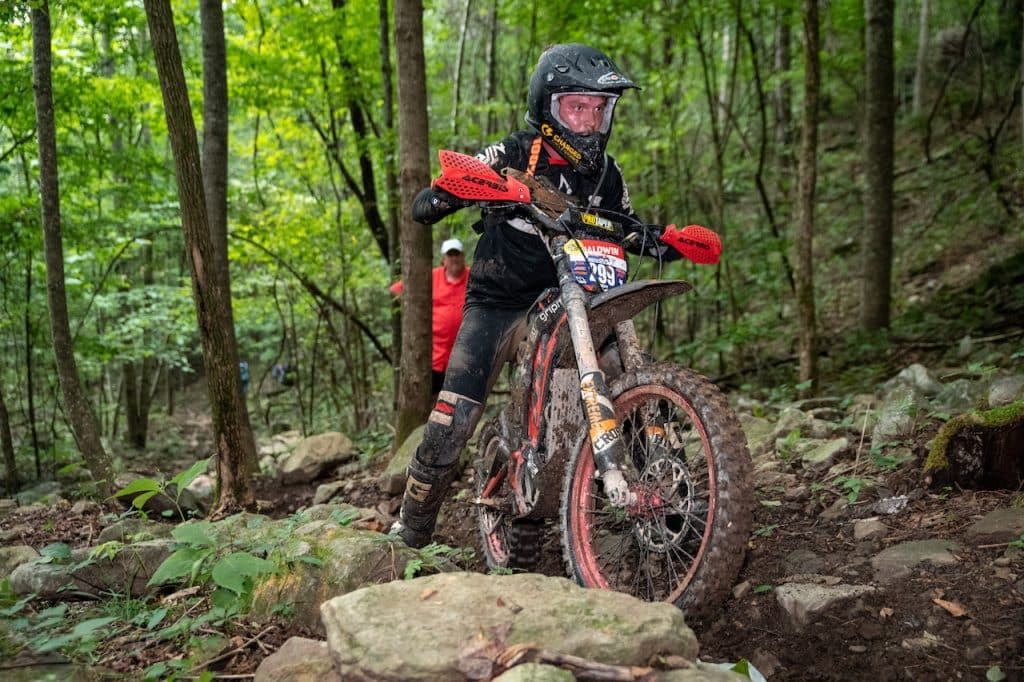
(570, 106)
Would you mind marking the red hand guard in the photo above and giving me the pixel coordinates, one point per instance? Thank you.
(694, 242)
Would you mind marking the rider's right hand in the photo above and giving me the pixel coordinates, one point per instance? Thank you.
(431, 205)
(444, 200)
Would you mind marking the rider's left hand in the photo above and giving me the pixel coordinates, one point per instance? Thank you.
(698, 244)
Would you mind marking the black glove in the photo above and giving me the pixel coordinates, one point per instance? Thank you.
(443, 200)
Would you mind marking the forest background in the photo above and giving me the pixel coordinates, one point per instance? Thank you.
(908, 116)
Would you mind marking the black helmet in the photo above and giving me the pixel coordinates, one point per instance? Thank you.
(572, 68)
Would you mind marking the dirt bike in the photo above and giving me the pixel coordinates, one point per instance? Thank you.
(648, 473)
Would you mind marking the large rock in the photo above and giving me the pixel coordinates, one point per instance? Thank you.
(423, 629)
(346, 559)
(12, 557)
(127, 572)
(315, 455)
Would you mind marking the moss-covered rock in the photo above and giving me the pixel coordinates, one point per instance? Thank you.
(980, 448)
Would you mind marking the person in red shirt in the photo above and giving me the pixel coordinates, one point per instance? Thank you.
(449, 295)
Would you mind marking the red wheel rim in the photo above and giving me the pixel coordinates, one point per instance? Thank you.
(584, 487)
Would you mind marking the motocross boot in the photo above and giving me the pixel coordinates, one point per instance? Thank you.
(435, 465)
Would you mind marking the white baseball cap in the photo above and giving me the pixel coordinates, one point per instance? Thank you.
(451, 245)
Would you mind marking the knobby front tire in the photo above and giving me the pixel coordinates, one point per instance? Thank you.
(685, 539)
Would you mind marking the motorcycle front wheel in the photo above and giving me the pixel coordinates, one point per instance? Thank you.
(684, 539)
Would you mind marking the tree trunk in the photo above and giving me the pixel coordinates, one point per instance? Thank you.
(136, 433)
(11, 478)
(782, 94)
(804, 237)
(922, 59)
(414, 174)
(391, 179)
(80, 413)
(215, 135)
(30, 380)
(878, 162)
(460, 53)
(491, 89)
(236, 450)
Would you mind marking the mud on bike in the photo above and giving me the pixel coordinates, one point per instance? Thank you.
(642, 463)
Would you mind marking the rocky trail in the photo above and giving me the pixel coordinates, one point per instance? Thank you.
(860, 566)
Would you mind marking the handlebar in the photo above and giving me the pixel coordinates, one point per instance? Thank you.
(470, 179)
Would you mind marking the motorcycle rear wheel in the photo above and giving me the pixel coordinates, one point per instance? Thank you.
(684, 541)
(507, 543)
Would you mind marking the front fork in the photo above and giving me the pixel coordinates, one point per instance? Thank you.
(605, 435)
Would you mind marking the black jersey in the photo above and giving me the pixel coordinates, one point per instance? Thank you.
(511, 266)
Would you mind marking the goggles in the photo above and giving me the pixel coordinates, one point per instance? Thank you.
(607, 111)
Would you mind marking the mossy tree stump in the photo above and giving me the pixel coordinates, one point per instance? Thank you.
(980, 449)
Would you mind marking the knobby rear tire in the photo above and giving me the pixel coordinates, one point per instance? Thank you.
(686, 541)
(507, 543)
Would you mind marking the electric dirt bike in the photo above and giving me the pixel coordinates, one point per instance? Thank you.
(643, 464)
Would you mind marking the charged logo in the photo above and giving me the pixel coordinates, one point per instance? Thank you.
(564, 148)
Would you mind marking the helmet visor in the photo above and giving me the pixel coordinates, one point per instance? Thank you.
(584, 112)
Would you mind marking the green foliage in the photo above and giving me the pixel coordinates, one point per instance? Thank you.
(785, 447)
(434, 557)
(145, 489)
(852, 485)
(200, 559)
(56, 552)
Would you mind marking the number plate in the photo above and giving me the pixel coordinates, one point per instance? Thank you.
(597, 265)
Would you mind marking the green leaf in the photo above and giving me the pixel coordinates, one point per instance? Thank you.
(995, 674)
(142, 499)
(178, 565)
(412, 568)
(54, 643)
(185, 478)
(139, 485)
(87, 627)
(155, 618)
(231, 571)
(195, 534)
(742, 667)
(17, 606)
(343, 517)
(56, 552)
